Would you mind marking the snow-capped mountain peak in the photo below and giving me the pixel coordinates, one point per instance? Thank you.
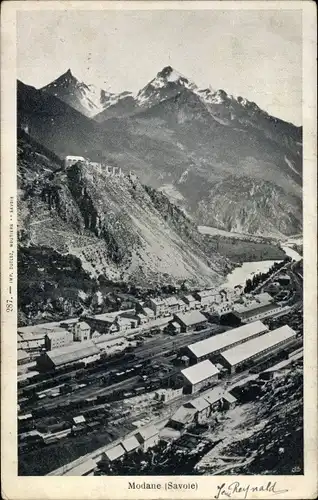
(168, 82)
(86, 98)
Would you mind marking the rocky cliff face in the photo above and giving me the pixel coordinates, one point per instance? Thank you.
(115, 226)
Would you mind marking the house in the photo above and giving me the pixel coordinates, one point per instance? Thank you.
(214, 399)
(173, 327)
(149, 313)
(102, 323)
(143, 319)
(199, 376)
(207, 297)
(202, 408)
(130, 444)
(31, 341)
(229, 401)
(147, 437)
(59, 337)
(126, 321)
(81, 331)
(190, 302)
(166, 395)
(182, 418)
(71, 160)
(113, 454)
(173, 304)
(159, 307)
(191, 320)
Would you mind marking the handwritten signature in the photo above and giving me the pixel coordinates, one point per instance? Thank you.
(227, 490)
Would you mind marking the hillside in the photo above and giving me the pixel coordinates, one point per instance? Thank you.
(82, 220)
(221, 158)
(266, 434)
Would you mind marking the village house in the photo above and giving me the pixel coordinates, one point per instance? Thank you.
(81, 331)
(148, 437)
(159, 307)
(202, 408)
(57, 338)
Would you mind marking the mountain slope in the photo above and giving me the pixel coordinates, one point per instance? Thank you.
(112, 225)
(197, 146)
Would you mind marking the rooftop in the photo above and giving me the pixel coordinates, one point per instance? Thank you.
(254, 309)
(147, 432)
(158, 301)
(207, 293)
(213, 396)
(255, 346)
(131, 443)
(82, 469)
(115, 452)
(229, 397)
(189, 298)
(226, 339)
(80, 419)
(184, 415)
(202, 371)
(22, 354)
(199, 403)
(72, 352)
(60, 333)
(191, 318)
(171, 301)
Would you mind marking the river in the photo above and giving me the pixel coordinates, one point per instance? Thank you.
(239, 275)
(246, 271)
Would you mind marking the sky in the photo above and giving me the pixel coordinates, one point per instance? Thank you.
(254, 54)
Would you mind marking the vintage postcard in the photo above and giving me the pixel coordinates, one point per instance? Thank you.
(158, 250)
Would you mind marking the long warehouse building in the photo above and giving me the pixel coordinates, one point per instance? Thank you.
(82, 351)
(212, 346)
(242, 356)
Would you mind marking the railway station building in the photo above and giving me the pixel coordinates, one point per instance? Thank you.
(68, 355)
(190, 320)
(245, 355)
(198, 376)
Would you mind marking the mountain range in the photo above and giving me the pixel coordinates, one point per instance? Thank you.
(224, 161)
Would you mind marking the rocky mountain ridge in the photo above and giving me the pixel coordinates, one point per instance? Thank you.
(116, 227)
(198, 146)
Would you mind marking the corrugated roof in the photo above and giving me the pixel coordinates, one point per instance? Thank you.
(191, 318)
(131, 443)
(226, 339)
(72, 352)
(255, 346)
(197, 373)
(199, 404)
(115, 452)
(147, 432)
